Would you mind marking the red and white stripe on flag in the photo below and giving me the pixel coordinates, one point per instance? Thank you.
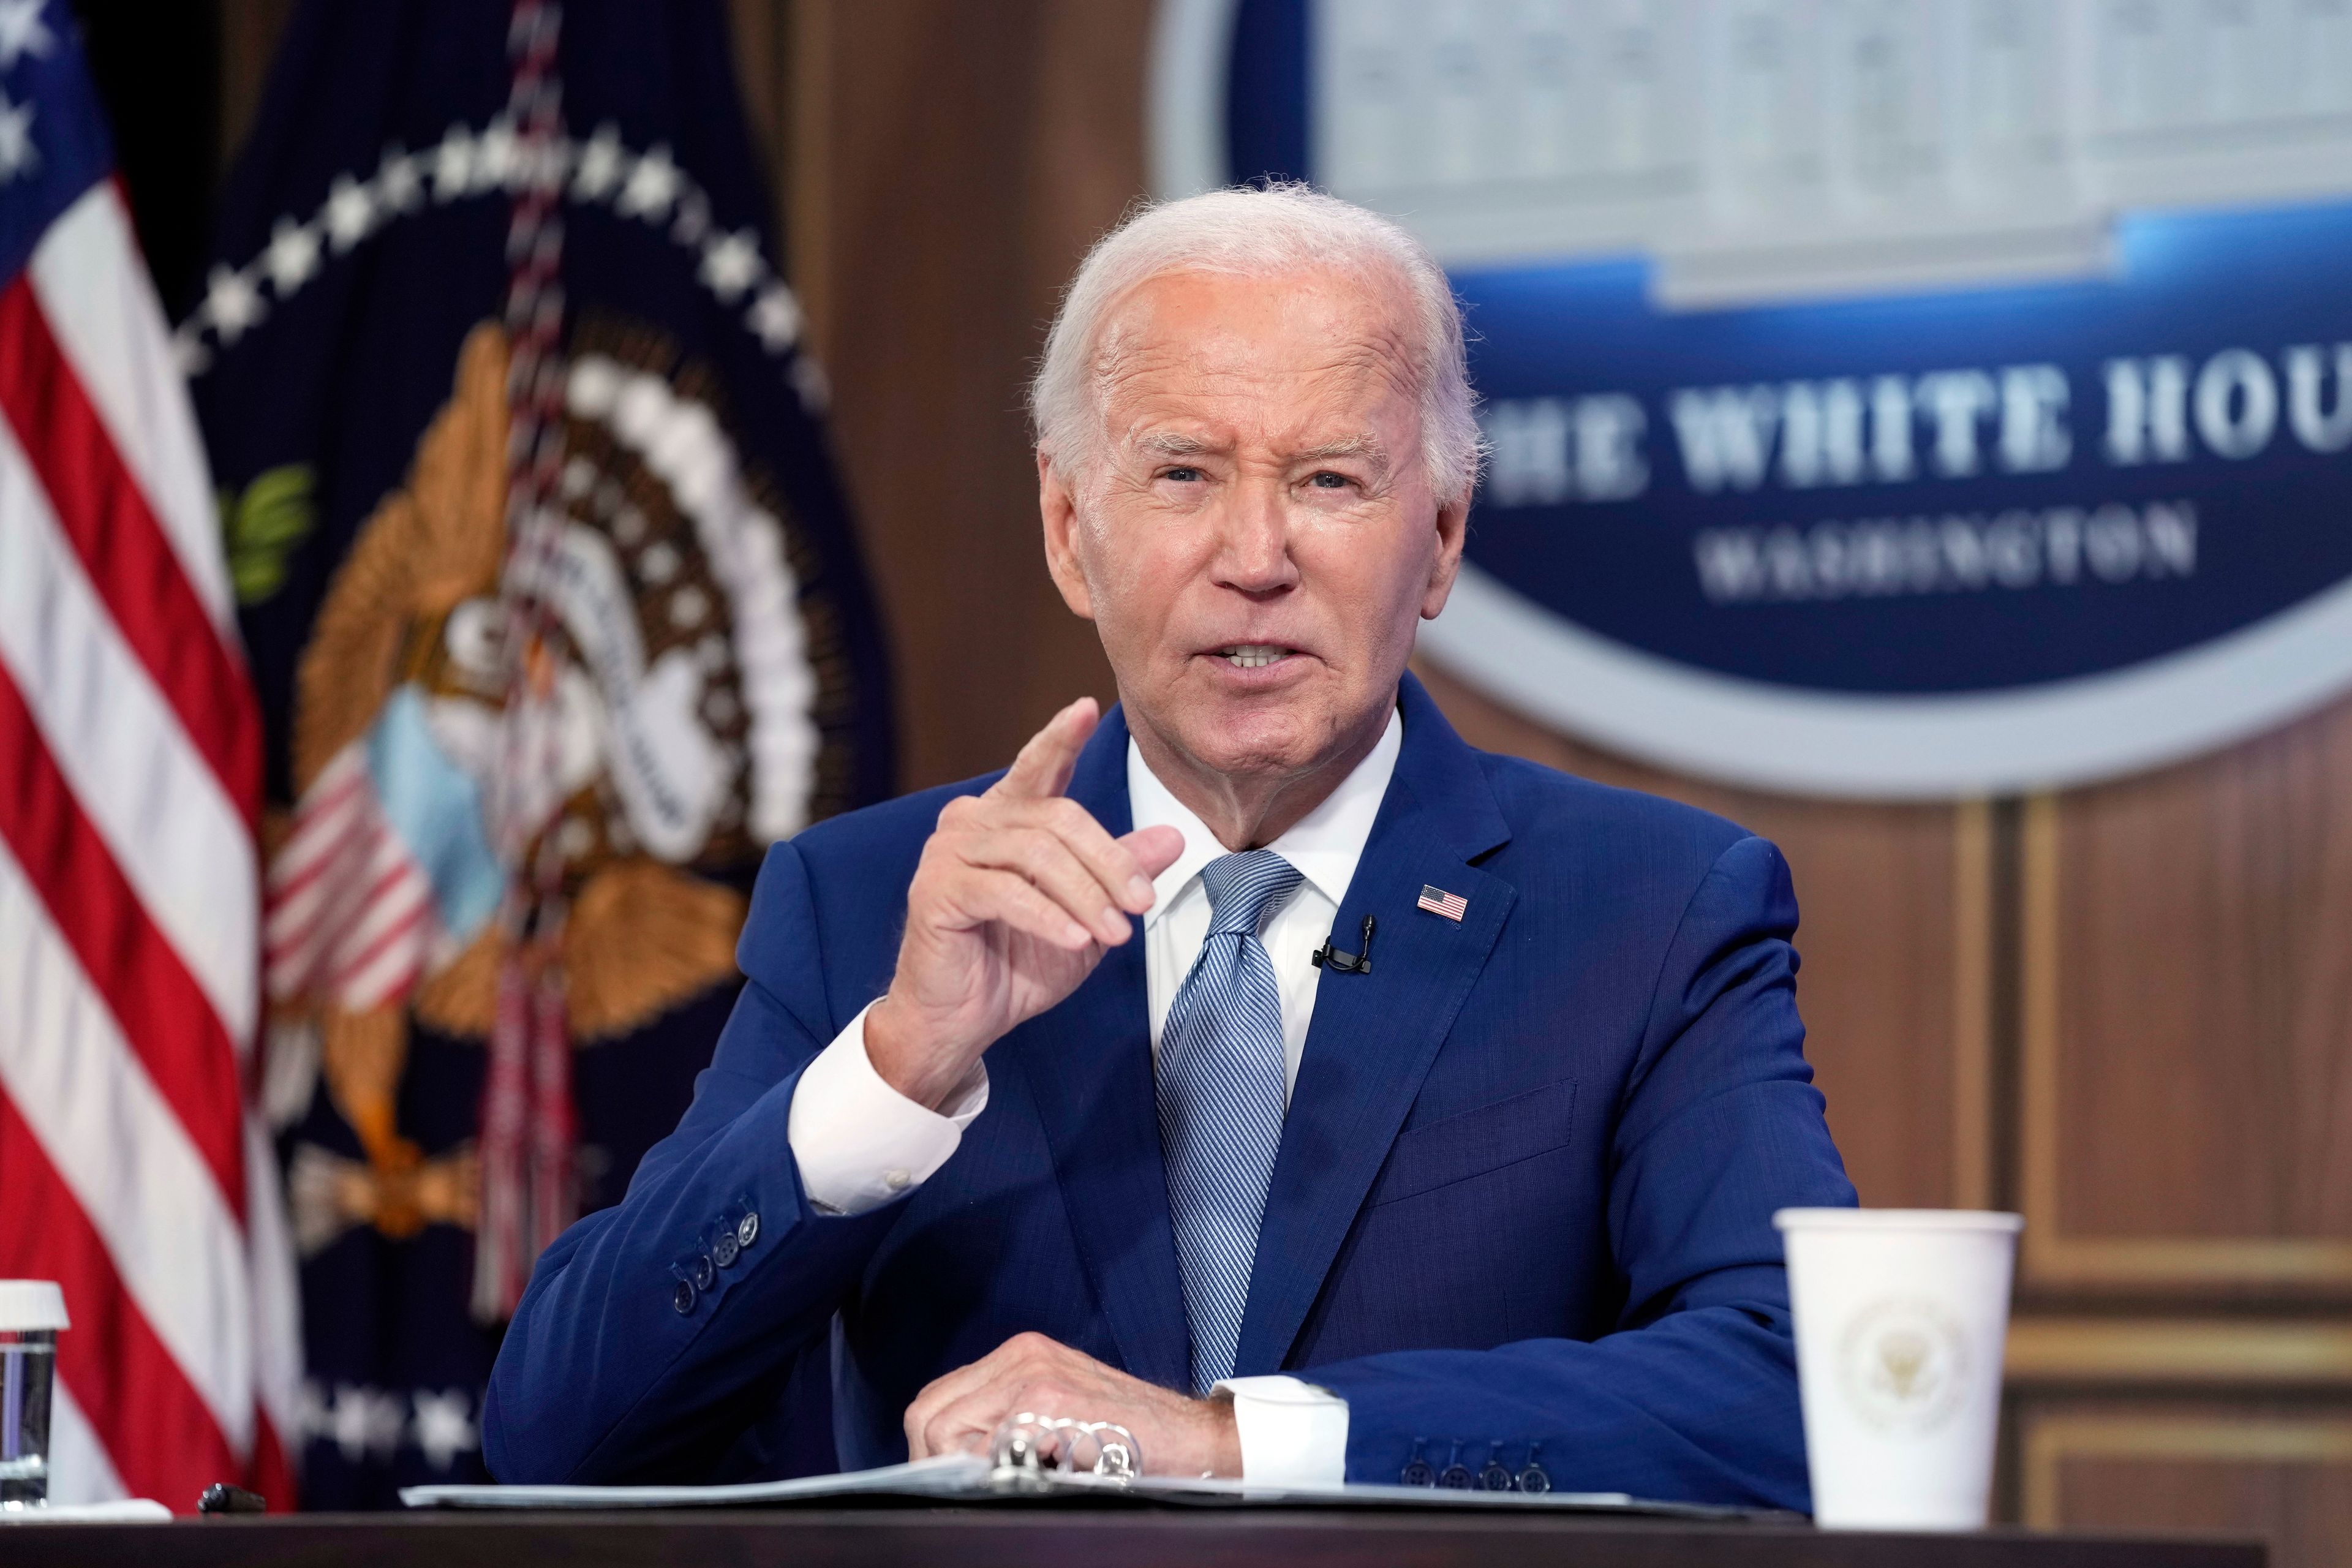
(1438, 901)
(132, 1168)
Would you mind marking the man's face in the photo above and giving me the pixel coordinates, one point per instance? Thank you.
(1256, 535)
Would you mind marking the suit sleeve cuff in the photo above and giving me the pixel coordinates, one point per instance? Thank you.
(858, 1142)
(1292, 1434)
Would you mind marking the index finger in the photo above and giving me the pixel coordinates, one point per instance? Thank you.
(1043, 767)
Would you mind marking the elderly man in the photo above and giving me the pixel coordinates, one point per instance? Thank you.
(1256, 1066)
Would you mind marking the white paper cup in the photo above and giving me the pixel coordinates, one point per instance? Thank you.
(1901, 1317)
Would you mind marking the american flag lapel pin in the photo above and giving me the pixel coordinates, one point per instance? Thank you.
(1438, 901)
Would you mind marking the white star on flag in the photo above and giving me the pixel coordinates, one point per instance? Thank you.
(22, 31)
(776, 318)
(232, 302)
(366, 1418)
(292, 255)
(494, 160)
(600, 165)
(653, 185)
(443, 1427)
(453, 164)
(351, 212)
(396, 184)
(730, 264)
(18, 155)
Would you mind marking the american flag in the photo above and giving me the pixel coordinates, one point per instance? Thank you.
(132, 1169)
(1438, 901)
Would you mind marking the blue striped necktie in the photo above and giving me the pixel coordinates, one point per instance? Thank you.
(1222, 1097)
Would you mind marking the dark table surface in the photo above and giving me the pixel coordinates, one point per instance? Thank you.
(1037, 1537)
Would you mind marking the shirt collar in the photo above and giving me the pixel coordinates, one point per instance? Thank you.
(1325, 843)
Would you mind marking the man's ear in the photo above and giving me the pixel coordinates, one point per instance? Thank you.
(1057, 506)
(1453, 529)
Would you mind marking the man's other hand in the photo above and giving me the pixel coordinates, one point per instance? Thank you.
(1029, 1372)
(1019, 892)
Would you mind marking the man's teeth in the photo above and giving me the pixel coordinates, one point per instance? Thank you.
(1253, 656)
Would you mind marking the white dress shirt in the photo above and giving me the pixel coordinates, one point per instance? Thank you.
(859, 1143)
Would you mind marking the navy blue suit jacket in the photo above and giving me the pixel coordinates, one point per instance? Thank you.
(1523, 1197)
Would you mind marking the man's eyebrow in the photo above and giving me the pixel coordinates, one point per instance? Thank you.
(1172, 444)
(1367, 447)
(1176, 444)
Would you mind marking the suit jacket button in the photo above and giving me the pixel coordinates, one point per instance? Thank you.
(1416, 1471)
(1456, 1476)
(747, 1229)
(683, 1297)
(706, 1273)
(725, 1249)
(1533, 1480)
(1496, 1476)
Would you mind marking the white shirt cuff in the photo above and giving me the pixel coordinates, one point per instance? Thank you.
(1293, 1434)
(860, 1143)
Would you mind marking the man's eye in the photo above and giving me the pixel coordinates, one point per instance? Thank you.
(1327, 480)
(1181, 475)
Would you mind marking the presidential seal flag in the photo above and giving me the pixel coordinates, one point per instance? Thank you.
(558, 622)
(130, 776)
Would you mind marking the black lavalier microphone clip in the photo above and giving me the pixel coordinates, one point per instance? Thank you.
(1329, 957)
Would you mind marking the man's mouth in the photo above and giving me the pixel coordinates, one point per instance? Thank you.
(1252, 655)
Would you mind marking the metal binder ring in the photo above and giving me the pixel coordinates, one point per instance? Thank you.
(1018, 1449)
(1030, 1447)
(1117, 1456)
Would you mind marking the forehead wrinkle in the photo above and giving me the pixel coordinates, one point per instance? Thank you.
(1371, 347)
(1367, 359)
(1328, 386)
(1377, 337)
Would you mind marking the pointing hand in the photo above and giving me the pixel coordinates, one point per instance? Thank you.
(1019, 893)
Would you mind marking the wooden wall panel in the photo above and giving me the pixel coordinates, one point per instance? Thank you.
(1896, 903)
(2246, 1467)
(965, 158)
(2188, 1039)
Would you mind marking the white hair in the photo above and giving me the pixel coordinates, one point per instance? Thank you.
(1259, 232)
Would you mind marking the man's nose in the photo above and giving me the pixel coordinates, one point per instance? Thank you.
(1253, 546)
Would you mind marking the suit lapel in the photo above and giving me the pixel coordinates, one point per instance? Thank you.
(1089, 1064)
(1374, 1035)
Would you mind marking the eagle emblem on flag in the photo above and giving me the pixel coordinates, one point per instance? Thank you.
(558, 621)
(682, 739)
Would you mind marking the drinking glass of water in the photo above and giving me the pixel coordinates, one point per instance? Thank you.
(31, 1313)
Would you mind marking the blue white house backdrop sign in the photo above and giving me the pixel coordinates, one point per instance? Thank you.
(1894, 398)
